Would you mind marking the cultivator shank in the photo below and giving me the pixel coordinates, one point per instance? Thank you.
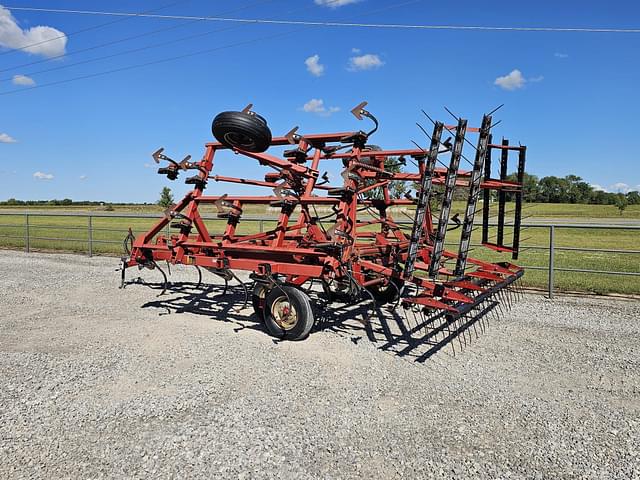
(357, 251)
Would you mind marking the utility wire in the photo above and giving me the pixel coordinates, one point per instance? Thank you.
(121, 40)
(170, 42)
(340, 24)
(133, 50)
(146, 13)
(179, 57)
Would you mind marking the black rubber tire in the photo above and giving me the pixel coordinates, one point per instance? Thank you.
(258, 299)
(245, 131)
(387, 293)
(366, 160)
(299, 302)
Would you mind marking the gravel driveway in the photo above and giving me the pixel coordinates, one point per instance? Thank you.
(101, 382)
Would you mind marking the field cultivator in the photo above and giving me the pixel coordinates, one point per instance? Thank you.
(356, 252)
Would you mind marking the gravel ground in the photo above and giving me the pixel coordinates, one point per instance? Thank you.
(101, 382)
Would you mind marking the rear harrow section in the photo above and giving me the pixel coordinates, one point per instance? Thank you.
(357, 252)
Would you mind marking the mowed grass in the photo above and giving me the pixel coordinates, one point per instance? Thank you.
(565, 211)
(70, 233)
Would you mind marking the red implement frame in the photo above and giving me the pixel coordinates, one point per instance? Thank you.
(359, 248)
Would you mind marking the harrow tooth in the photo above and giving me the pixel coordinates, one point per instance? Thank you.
(501, 301)
(509, 297)
(458, 332)
(473, 322)
(518, 283)
(424, 327)
(481, 316)
(467, 326)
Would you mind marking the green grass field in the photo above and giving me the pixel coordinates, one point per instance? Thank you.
(108, 233)
(563, 211)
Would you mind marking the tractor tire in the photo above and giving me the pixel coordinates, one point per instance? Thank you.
(288, 314)
(244, 131)
(258, 299)
(387, 293)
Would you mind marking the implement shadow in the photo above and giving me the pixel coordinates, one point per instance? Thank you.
(211, 300)
(408, 333)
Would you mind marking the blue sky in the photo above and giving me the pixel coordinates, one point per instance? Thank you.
(571, 97)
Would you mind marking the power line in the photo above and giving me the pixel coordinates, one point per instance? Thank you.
(179, 57)
(103, 57)
(67, 35)
(339, 24)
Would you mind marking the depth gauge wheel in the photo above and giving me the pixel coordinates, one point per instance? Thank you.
(287, 313)
(242, 130)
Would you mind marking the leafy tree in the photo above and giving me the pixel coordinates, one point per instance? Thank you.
(621, 202)
(396, 188)
(633, 198)
(166, 198)
(553, 190)
(530, 186)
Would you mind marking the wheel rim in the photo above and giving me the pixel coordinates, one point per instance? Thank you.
(284, 314)
(239, 140)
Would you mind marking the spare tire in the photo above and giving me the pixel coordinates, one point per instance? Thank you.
(244, 131)
(366, 160)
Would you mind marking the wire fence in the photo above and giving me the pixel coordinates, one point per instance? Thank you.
(580, 251)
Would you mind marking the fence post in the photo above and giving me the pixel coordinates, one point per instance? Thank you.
(551, 258)
(90, 232)
(27, 240)
(261, 226)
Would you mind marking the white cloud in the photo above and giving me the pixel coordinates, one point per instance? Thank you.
(23, 80)
(39, 40)
(620, 187)
(335, 3)
(598, 188)
(314, 67)
(356, 50)
(512, 81)
(43, 176)
(367, 61)
(539, 78)
(560, 55)
(83, 177)
(316, 105)
(4, 138)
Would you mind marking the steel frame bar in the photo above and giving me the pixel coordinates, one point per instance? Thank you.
(502, 196)
(519, 197)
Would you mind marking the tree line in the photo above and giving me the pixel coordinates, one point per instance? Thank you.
(551, 189)
(570, 189)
